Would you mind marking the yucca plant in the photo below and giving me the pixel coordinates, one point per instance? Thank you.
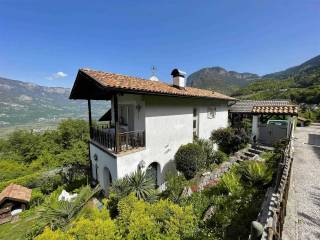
(140, 185)
(137, 183)
(256, 173)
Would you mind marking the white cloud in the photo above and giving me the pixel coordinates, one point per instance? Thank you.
(57, 75)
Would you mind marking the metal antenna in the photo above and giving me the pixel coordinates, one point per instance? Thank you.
(153, 70)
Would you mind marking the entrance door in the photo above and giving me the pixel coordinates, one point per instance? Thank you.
(152, 173)
(107, 180)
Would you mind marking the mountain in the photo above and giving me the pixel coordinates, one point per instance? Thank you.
(24, 103)
(220, 79)
(300, 84)
(308, 67)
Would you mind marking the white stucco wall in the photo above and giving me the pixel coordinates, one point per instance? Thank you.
(255, 127)
(168, 123)
(167, 127)
(104, 160)
(207, 125)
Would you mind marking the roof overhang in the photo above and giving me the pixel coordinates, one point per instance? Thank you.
(86, 87)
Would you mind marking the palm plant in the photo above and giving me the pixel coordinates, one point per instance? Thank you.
(256, 173)
(57, 214)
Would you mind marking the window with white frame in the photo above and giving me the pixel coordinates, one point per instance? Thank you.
(211, 112)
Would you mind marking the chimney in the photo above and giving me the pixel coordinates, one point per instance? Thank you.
(178, 78)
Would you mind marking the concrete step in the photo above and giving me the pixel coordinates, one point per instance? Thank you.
(255, 151)
(244, 157)
(263, 148)
(249, 154)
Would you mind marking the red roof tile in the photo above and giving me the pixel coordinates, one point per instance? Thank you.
(289, 109)
(118, 81)
(16, 192)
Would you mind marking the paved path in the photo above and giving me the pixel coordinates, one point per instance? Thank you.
(303, 211)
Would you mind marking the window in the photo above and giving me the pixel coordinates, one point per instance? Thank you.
(211, 112)
(194, 112)
(195, 122)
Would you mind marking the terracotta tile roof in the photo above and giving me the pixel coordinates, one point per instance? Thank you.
(270, 106)
(289, 109)
(16, 192)
(118, 81)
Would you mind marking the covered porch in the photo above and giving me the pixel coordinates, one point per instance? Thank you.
(121, 128)
(270, 120)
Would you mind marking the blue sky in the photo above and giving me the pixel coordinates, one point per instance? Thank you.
(46, 42)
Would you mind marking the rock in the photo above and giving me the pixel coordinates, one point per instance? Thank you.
(209, 213)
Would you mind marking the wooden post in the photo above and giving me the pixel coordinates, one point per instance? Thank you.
(90, 117)
(116, 122)
(90, 133)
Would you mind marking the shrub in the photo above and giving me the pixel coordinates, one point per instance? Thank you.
(208, 148)
(255, 173)
(230, 140)
(307, 123)
(137, 220)
(37, 198)
(189, 159)
(161, 220)
(31, 181)
(175, 185)
(10, 169)
(230, 182)
(219, 157)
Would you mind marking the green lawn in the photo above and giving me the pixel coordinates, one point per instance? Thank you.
(17, 230)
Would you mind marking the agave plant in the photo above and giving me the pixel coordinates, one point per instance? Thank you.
(256, 173)
(137, 183)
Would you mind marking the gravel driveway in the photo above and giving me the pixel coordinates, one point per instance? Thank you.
(303, 210)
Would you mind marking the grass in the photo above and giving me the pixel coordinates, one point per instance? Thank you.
(18, 230)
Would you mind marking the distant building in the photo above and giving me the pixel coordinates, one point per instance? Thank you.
(148, 121)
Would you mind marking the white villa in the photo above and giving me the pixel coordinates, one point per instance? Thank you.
(147, 123)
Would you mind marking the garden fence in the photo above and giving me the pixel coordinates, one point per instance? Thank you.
(273, 210)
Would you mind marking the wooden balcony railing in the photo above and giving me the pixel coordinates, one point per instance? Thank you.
(104, 136)
(126, 140)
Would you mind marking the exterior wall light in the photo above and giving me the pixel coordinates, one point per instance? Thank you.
(141, 165)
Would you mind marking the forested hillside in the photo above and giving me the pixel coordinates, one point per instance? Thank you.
(300, 84)
(219, 79)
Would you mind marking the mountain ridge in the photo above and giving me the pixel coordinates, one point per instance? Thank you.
(228, 82)
(220, 79)
(23, 103)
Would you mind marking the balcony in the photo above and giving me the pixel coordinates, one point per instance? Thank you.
(117, 141)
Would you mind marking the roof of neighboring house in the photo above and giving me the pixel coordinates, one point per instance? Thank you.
(16, 193)
(106, 116)
(126, 84)
(265, 107)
